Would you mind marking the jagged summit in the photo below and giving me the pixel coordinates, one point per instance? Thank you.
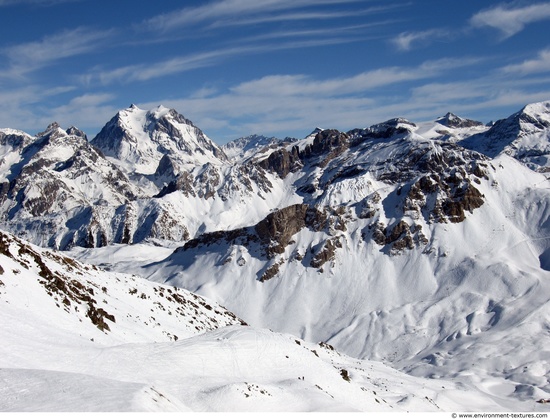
(524, 135)
(72, 130)
(52, 128)
(139, 139)
(453, 121)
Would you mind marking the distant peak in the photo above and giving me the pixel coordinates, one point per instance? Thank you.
(77, 132)
(450, 115)
(539, 108)
(54, 126)
(453, 121)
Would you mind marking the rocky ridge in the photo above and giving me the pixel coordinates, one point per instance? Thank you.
(138, 178)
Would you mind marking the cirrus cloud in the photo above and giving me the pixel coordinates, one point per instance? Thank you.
(540, 64)
(509, 20)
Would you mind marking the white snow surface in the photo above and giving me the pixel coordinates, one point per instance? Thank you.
(156, 356)
(464, 315)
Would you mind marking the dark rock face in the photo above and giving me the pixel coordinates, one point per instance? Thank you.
(282, 162)
(166, 168)
(463, 198)
(77, 132)
(399, 238)
(274, 232)
(327, 144)
(326, 252)
(278, 227)
(14, 140)
(109, 140)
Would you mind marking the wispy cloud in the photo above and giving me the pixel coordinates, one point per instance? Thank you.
(405, 40)
(232, 11)
(258, 18)
(19, 106)
(176, 65)
(88, 110)
(28, 57)
(540, 64)
(286, 102)
(148, 71)
(301, 85)
(510, 20)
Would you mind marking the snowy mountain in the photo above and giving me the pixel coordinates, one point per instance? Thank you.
(524, 135)
(451, 120)
(57, 189)
(419, 245)
(140, 139)
(148, 175)
(76, 338)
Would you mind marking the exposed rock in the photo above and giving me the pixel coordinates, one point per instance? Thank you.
(282, 162)
(326, 145)
(278, 227)
(464, 198)
(326, 252)
(271, 271)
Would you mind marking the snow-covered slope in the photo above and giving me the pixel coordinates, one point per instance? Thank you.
(407, 243)
(524, 135)
(245, 147)
(76, 338)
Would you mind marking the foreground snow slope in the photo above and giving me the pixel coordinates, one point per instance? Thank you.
(75, 338)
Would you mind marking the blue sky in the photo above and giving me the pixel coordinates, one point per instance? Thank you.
(272, 67)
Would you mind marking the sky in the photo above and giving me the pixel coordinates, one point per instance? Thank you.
(271, 67)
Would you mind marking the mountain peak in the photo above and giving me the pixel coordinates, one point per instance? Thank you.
(539, 112)
(139, 139)
(451, 120)
(52, 128)
(523, 135)
(72, 130)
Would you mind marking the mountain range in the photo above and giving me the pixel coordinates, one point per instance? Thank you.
(423, 246)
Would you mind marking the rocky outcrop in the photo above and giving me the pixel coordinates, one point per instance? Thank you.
(442, 199)
(273, 233)
(400, 237)
(325, 252)
(282, 162)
